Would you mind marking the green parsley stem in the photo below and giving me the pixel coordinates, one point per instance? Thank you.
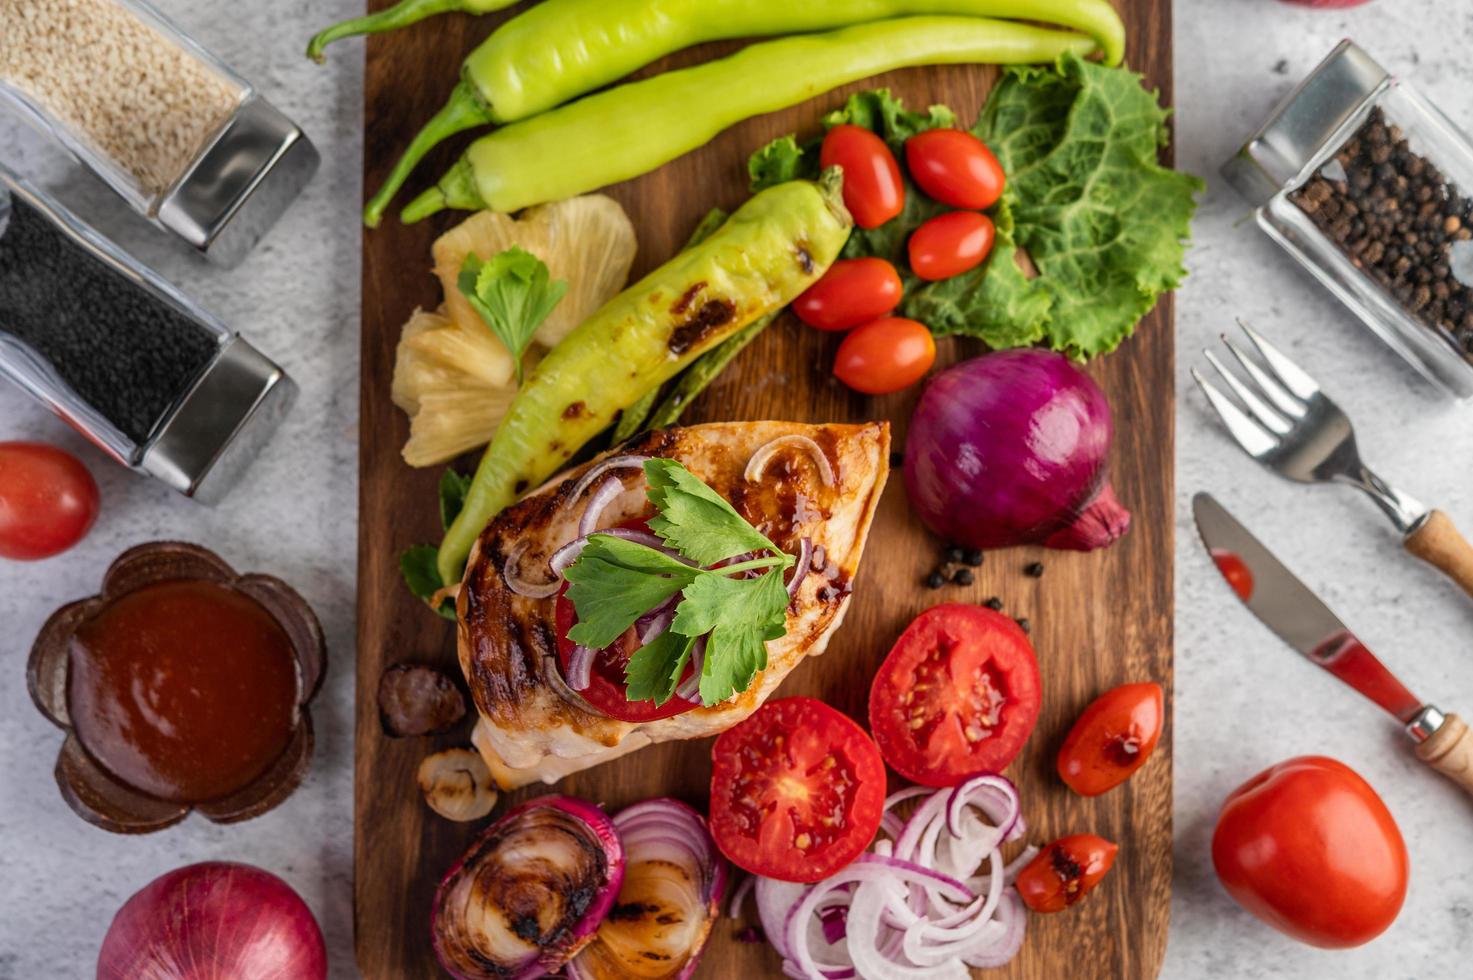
(769, 561)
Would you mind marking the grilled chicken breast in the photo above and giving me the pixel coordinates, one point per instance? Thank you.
(531, 725)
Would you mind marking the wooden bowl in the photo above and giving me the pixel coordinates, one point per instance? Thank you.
(101, 798)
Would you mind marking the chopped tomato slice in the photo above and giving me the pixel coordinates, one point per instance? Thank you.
(797, 791)
(1113, 738)
(957, 696)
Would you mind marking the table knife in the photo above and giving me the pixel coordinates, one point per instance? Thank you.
(1288, 607)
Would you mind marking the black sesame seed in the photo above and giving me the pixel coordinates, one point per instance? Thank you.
(963, 576)
(935, 580)
(1033, 569)
(1022, 624)
(995, 604)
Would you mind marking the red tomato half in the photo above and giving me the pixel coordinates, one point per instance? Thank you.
(48, 500)
(957, 695)
(950, 244)
(885, 355)
(606, 689)
(1065, 871)
(873, 190)
(1309, 848)
(852, 292)
(797, 791)
(1113, 738)
(955, 168)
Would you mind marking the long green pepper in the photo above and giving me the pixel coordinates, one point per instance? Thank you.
(770, 250)
(630, 130)
(559, 50)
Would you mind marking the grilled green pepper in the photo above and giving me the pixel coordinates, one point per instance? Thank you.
(769, 251)
(561, 49)
(401, 14)
(629, 130)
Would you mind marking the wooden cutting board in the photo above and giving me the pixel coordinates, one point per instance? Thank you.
(1097, 619)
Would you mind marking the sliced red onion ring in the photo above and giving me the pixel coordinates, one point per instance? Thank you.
(739, 896)
(580, 667)
(605, 494)
(511, 574)
(805, 561)
(690, 688)
(1014, 921)
(757, 465)
(599, 469)
(994, 795)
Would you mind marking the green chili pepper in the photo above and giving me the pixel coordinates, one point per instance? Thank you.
(561, 49)
(629, 130)
(401, 14)
(769, 251)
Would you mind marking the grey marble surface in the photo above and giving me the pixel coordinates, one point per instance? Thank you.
(1242, 701)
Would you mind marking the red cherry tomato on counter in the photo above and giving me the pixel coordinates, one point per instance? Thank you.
(1309, 848)
(48, 500)
(1113, 738)
(885, 355)
(957, 695)
(955, 168)
(852, 292)
(873, 190)
(1065, 871)
(950, 244)
(797, 790)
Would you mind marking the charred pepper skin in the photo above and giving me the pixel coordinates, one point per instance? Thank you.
(574, 149)
(769, 251)
(536, 61)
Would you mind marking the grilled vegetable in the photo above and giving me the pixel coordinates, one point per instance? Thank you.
(561, 49)
(575, 148)
(766, 253)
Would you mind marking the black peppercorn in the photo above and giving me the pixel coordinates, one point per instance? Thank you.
(995, 604)
(1033, 569)
(1023, 624)
(955, 554)
(963, 576)
(973, 557)
(935, 580)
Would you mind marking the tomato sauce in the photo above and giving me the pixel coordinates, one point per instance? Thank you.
(185, 690)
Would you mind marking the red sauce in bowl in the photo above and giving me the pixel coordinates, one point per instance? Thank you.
(185, 690)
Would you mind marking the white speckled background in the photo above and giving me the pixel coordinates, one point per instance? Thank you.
(1243, 702)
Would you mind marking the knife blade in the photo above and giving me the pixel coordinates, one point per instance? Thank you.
(1289, 608)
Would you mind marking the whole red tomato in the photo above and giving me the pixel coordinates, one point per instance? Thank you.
(48, 500)
(1113, 738)
(852, 292)
(873, 190)
(1309, 848)
(950, 244)
(885, 355)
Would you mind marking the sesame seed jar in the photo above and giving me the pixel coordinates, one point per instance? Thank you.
(1370, 188)
(187, 142)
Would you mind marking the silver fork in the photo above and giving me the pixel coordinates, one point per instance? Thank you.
(1281, 418)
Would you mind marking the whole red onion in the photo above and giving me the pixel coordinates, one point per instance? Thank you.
(214, 921)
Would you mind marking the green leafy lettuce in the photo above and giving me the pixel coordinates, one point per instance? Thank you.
(1102, 223)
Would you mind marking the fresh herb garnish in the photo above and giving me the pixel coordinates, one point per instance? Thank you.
(616, 581)
(417, 564)
(513, 292)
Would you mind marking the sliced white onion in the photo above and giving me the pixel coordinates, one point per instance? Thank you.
(757, 465)
(511, 574)
(599, 469)
(580, 667)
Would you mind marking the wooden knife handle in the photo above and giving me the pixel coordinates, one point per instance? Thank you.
(1438, 543)
(1449, 750)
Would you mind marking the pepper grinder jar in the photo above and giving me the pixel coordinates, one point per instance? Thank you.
(1370, 188)
(188, 143)
(153, 380)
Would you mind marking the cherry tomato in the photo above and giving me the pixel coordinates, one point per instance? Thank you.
(1065, 871)
(957, 695)
(1239, 576)
(607, 690)
(852, 292)
(48, 500)
(885, 355)
(1113, 738)
(950, 244)
(1309, 848)
(873, 190)
(797, 791)
(955, 167)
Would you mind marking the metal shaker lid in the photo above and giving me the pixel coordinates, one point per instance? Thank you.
(241, 183)
(1304, 122)
(222, 423)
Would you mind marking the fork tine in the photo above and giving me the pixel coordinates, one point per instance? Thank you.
(1255, 440)
(1291, 374)
(1276, 392)
(1266, 416)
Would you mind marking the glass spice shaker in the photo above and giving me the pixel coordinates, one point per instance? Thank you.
(140, 370)
(187, 143)
(1370, 188)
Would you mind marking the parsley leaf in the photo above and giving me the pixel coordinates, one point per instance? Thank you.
(654, 669)
(453, 488)
(513, 293)
(614, 582)
(740, 614)
(421, 572)
(695, 520)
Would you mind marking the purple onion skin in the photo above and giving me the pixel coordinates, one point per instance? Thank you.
(1011, 448)
(552, 959)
